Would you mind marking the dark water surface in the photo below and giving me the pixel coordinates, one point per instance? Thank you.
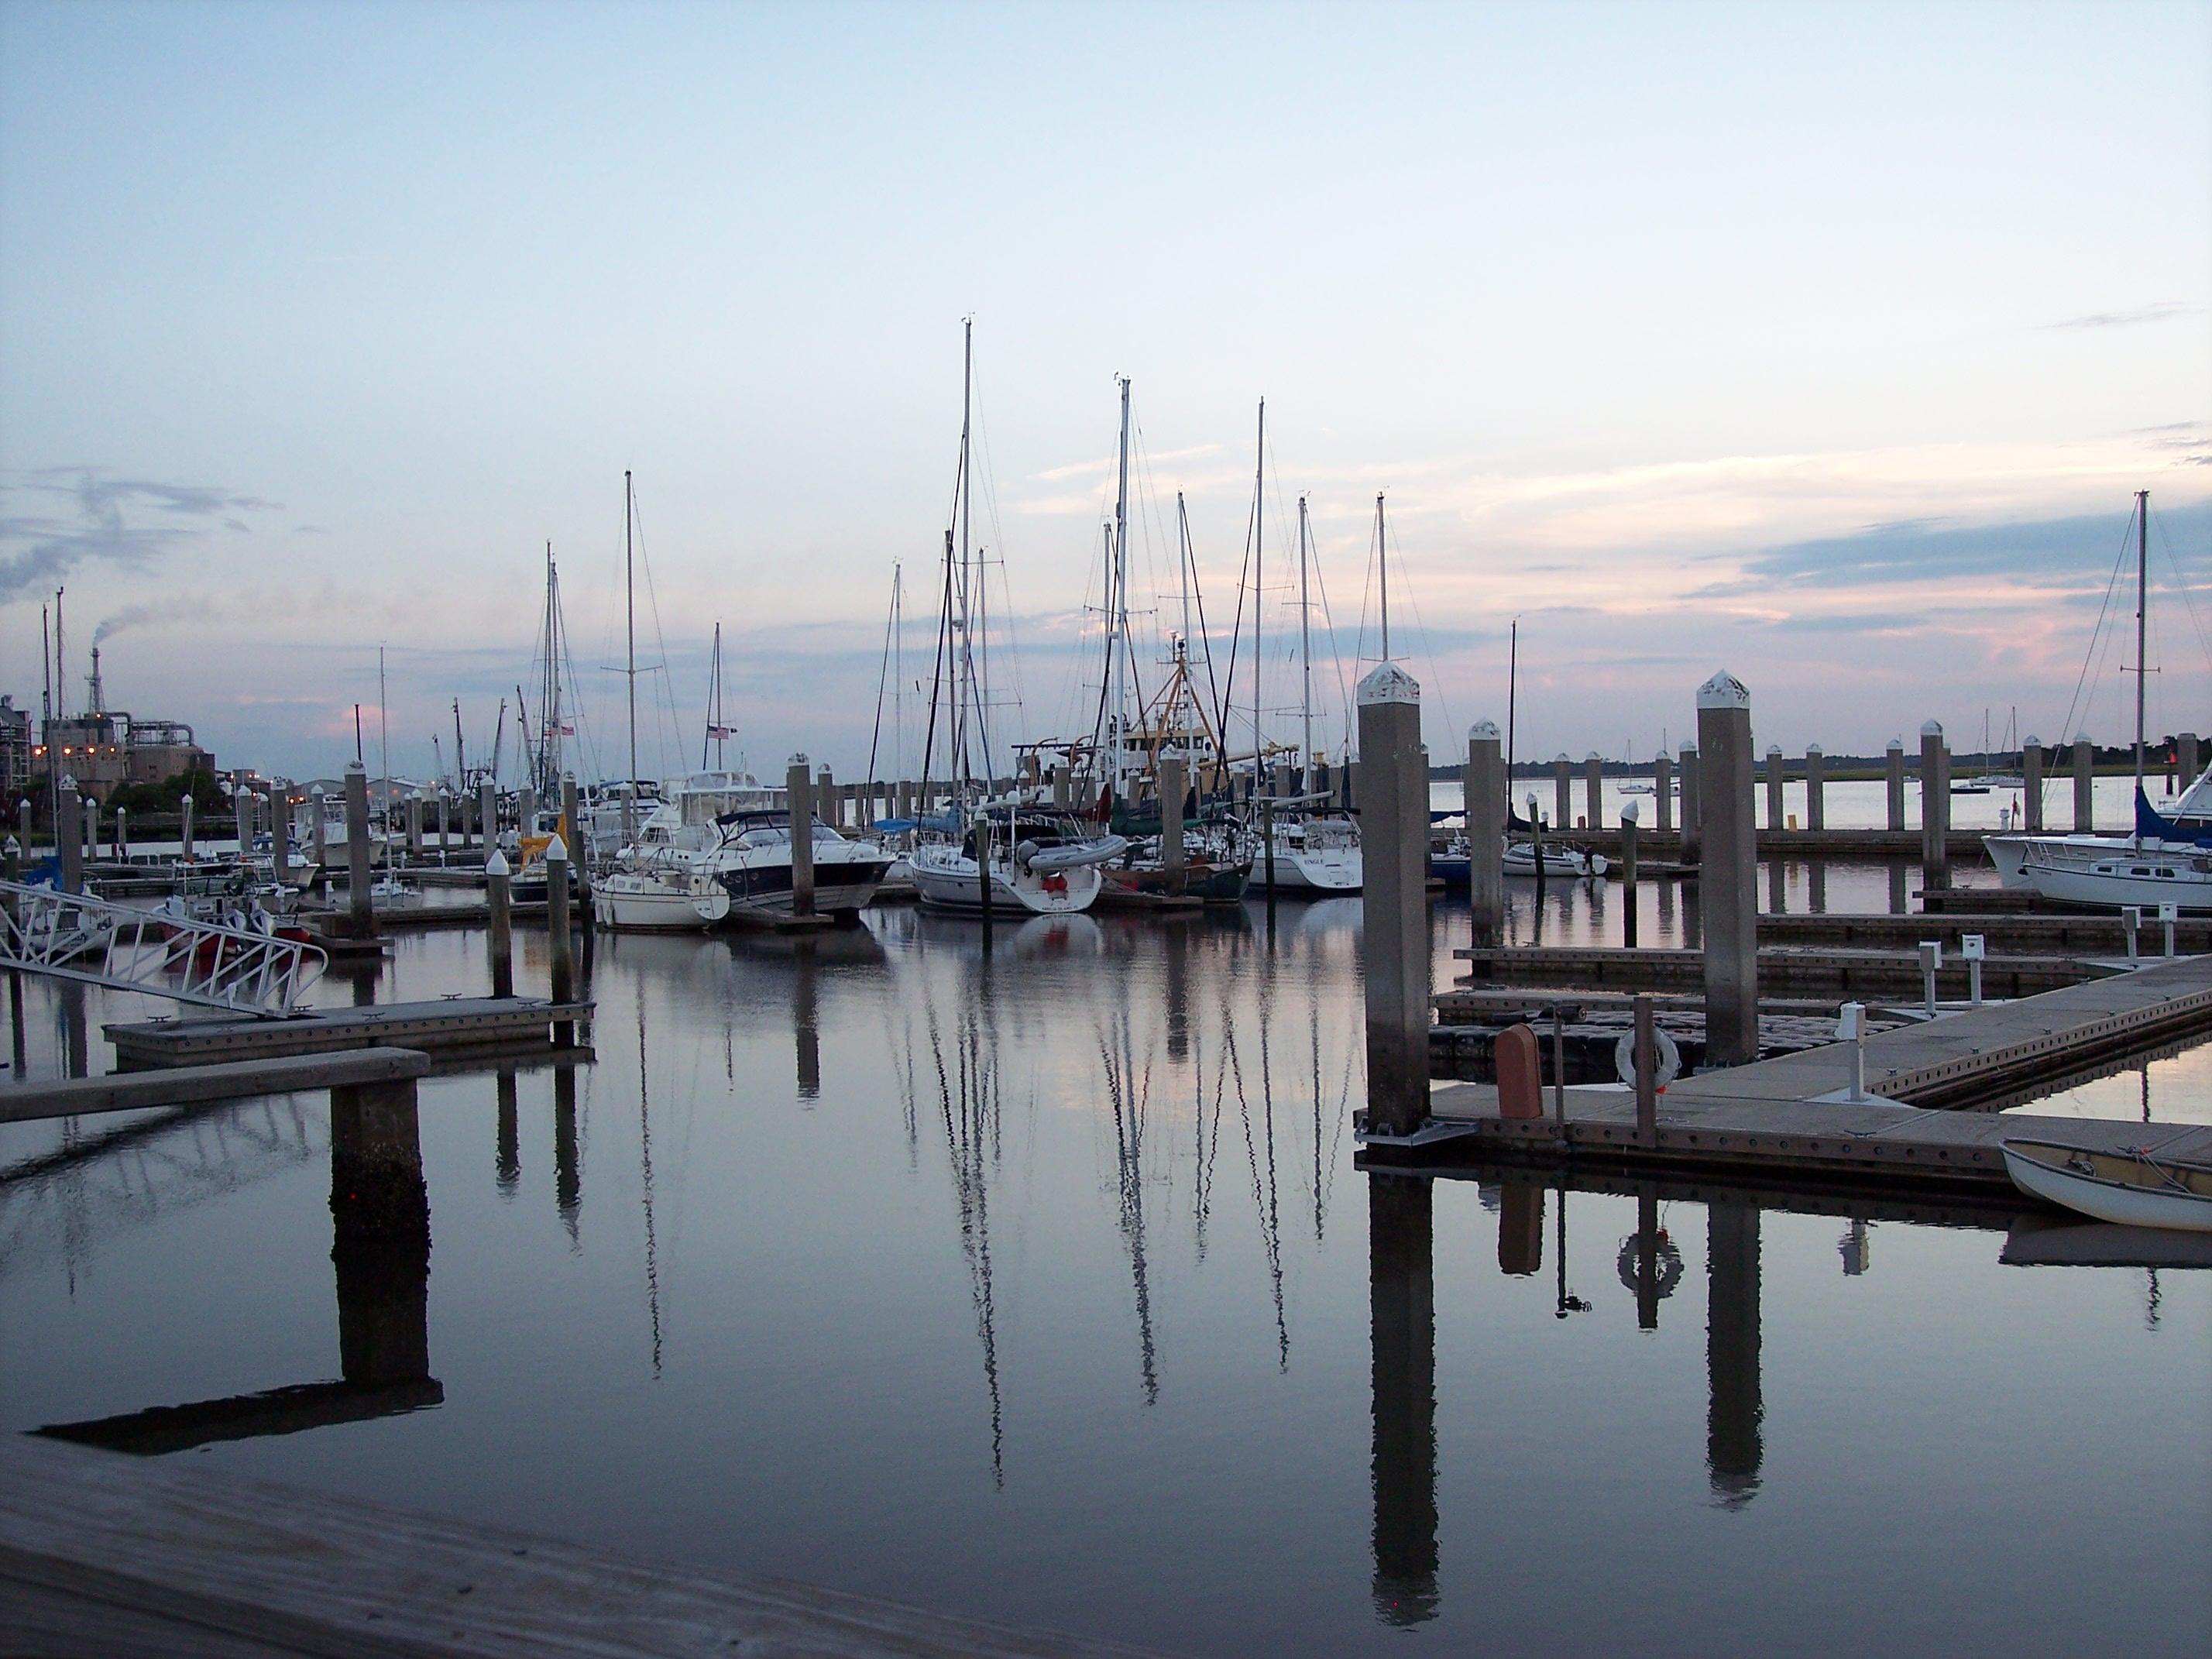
(1043, 1287)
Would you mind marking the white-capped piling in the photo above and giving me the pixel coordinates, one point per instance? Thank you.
(319, 829)
(1628, 837)
(1662, 776)
(92, 828)
(242, 812)
(1775, 767)
(1895, 757)
(1171, 792)
(68, 842)
(445, 822)
(1934, 807)
(499, 890)
(123, 835)
(798, 790)
(414, 826)
(1693, 805)
(579, 857)
(560, 950)
(1563, 771)
(1593, 789)
(1483, 784)
(185, 827)
(1394, 901)
(1729, 882)
(2085, 782)
(2030, 779)
(1816, 787)
(1060, 796)
(358, 897)
(825, 799)
(2184, 758)
(488, 812)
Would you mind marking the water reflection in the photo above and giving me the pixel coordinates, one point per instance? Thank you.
(1733, 1416)
(1402, 1336)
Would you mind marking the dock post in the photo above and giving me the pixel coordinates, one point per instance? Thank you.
(1646, 1052)
(1485, 785)
(1934, 808)
(1593, 789)
(319, 829)
(1628, 918)
(2184, 758)
(1563, 805)
(1774, 770)
(1730, 895)
(1931, 961)
(1850, 1027)
(92, 828)
(2168, 914)
(1816, 787)
(826, 800)
(414, 826)
(499, 889)
(185, 827)
(798, 789)
(2085, 781)
(1060, 796)
(1896, 780)
(1171, 794)
(69, 836)
(1693, 805)
(2031, 778)
(579, 846)
(526, 811)
(122, 834)
(560, 947)
(358, 898)
(380, 1233)
(241, 812)
(1662, 777)
(1972, 948)
(1402, 1341)
(2131, 924)
(488, 812)
(1394, 901)
(1268, 845)
(445, 822)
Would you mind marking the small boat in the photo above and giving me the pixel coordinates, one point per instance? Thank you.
(1570, 862)
(2132, 1186)
(659, 901)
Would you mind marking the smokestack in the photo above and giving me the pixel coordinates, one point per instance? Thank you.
(99, 705)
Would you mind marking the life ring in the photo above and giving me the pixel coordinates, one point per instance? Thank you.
(1670, 1059)
(1670, 1265)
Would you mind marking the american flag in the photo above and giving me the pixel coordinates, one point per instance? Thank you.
(720, 731)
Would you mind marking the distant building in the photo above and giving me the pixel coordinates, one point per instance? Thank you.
(14, 751)
(103, 749)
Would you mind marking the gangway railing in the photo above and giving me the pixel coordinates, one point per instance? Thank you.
(99, 942)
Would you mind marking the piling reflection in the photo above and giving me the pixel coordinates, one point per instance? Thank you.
(1403, 1336)
(1734, 1416)
(506, 1157)
(567, 1160)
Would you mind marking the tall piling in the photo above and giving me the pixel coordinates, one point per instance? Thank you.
(1895, 757)
(488, 812)
(526, 811)
(280, 828)
(69, 836)
(359, 900)
(1059, 795)
(1693, 805)
(1775, 767)
(184, 826)
(1934, 808)
(1394, 899)
(1662, 777)
(499, 892)
(414, 826)
(122, 834)
(560, 949)
(1171, 792)
(2030, 779)
(445, 822)
(1728, 896)
(1628, 894)
(825, 799)
(318, 827)
(2184, 758)
(2085, 782)
(1593, 789)
(1484, 783)
(1563, 770)
(579, 848)
(1816, 787)
(241, 810)
(798, 790)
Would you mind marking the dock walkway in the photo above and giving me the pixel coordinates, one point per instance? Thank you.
(1842, 970)
(449, 1025)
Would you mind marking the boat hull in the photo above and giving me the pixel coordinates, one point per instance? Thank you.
(2045, 1171)
(953, 885)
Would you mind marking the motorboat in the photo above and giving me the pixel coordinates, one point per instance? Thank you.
(2133, 1187)
(752, 863)
(1570, 863)
(659, 901)
(1040, 861)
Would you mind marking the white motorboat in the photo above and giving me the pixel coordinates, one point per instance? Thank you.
(2135, 1188)
(752, 863)
(659, 901)
(1570, 862)
(1041, 862)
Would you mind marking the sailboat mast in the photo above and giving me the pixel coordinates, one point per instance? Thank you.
(1512, 685)
(1383, 564)
(964, 681)
(1117, 621)
(2143, 587)
(549, 731)
(898, 681)
(1305, 652)
(630, 590)
(1258, 586)
(384, 752)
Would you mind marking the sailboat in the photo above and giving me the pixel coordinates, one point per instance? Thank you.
(2167, 859)
(1014, 856)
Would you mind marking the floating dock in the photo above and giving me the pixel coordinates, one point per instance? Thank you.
(443, 1028)
(1840, 970)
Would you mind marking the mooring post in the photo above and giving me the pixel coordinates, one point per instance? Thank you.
(92, 828)
(1484, 783)
(414, 826)
(1693, 805)
(2030, 779)
(1895, 757)
(2130, 924)
(185, 827)
(1394, 900)
(1628, 895)
(1931, 962)
(69, 838)
(122, 834)
(1971, 951)
(445, 824)
(280, 830)
(579, 845)
(799, 789)
(1267, 847)
(1060, 796)
(2085, 781)
(1662, 777)
(499, 891)
(525, 811)
(1645, 1052)
(2168, 914)
(1562, 806)
(241, 812)
(1593, 789)
(1402, 1339)
(1774, 770)
(2184, 759)
(1934, 809)
(358, 898)
(1171, 791)
(319, 829)
(488, 812)
(1729, 883)
(826, 800)
(560, 947)
(1816, 787)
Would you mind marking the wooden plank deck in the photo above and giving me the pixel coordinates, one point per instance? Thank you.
(2082, 933)
(104, 1554)
(194, 1085)
(456, 1022)
(1843, 972)
(1773, 1113)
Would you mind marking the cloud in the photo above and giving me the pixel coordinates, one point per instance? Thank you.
(2158, 313)
(42, 549)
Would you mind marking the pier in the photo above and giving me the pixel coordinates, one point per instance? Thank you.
(448, 1026)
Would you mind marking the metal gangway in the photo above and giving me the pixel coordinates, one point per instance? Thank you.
(99, 942)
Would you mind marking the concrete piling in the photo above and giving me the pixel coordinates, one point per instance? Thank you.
(2184, 758)
(241, 812)
(1628, 835)
(488, 812)
(1483, 782)
(825, 799)
(2085, 780)
(1895, 755)
(1060, 796)
(92, 828)
(1593, 789)
(122, 835)
(526, 811)
(1662, 776)
(1693, 805)
(799, 789)
(1395, 902)
(1774, 770)
(414, 826)
(319, 829)
(1562, 805)
(69, 836)
(560, 950)
(358, 899)
(1729, 883)
(499, 890)
(445, 822)
(2030, 793)
(1171, 794)
(185, 827)
(1816, 787)
(1934, 808)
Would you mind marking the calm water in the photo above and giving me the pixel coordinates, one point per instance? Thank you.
(1043, 1286)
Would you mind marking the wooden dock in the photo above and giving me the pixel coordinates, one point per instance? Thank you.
(448, 1026)
(1786, 1113)
(104, 1554)
(199, 1086)
(2084, 933)
(1840, 970)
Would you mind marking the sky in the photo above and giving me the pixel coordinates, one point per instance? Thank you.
(1825, 344)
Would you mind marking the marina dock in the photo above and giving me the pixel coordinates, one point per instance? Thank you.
(445, 1028)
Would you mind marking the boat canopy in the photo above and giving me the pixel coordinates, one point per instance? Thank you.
(2151, 824)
